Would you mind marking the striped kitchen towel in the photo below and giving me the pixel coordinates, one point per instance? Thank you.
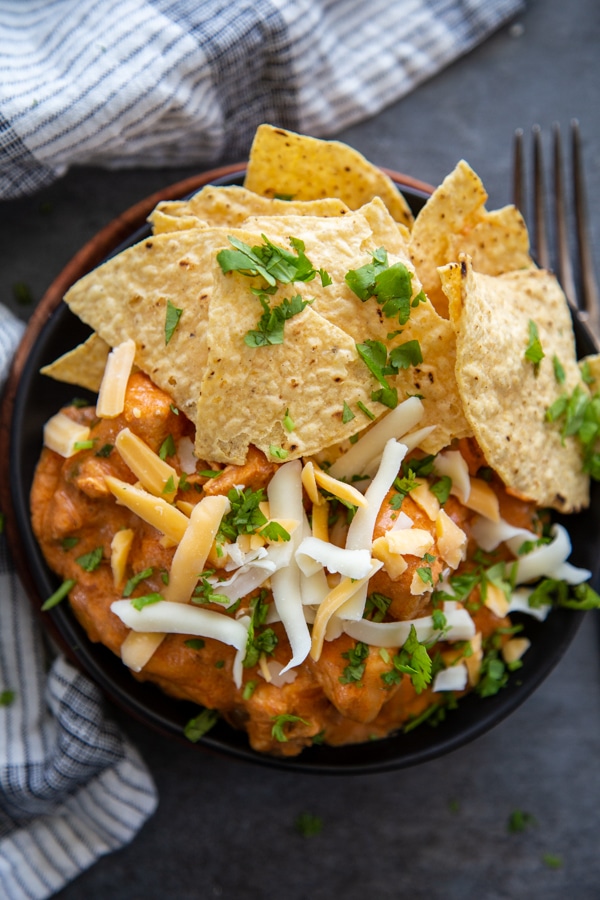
(186, 82)
(72, 788)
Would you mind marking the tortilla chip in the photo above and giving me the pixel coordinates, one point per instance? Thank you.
(247, 391)
(231, 206)
(454, 220)
(127, 297)
(338, 246)
(83, 366)
(505, 397)
(283, 163)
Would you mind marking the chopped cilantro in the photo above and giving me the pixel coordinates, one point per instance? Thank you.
(376, 607)
(259, 642)
(288, 422)
(278, 452)
(59, 594)
(273, 531)
(552, 860)
(519, 821)
(278, 725)
(146, 600)
(414, 660)
(370, 415)
(403, 485)
(135, 580)
(441, 488)
(84, 445)
(195, 643)
(406, 355)
(347, 414)
(586, 372)
(270, 326)
(105, 450)
(172, 318)
(89, 562)
(201, 724)
(559, 372)
(390, 285)
(559, 593)
(22, 293)
(355, 669)
(67, 543)
(205, 592)
(210, 473)
(534, 352)
(167, 448)
(580, 416)
(249, 689)
(493, 674)
(308, 825)
(374, 356)
(7, 697)
(169, 485)
(272, 262)
(425, 574)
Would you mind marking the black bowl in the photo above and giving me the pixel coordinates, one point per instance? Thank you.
(32, 398)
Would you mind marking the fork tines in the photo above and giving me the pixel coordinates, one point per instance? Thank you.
(581, 291)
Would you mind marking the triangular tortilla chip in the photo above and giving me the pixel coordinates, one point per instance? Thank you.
(248, 391)
(283, 163)
(505, 395)
(83, 365)
(455, 220)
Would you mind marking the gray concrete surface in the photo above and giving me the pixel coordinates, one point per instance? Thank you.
(439, 831)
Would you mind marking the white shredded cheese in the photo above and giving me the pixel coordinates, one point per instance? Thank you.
(285, 498)
(454, 678)
(459, 627)
(393, 425)
(313, 554)
(453, 464)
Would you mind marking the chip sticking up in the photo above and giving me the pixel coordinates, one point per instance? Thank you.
(298, 167)
(506, 389)
(454, 220)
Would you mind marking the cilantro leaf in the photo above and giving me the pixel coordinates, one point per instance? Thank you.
(172, 318)
(534, 352)
(133, 582)
(270, 326)
(406, 355)
(146, 600)
(279, 722)
(201, 724)
(390, 285)
(59, 594)
(355, 669)
(413, 660)
(89, 562)
(272, 262)
(308, 825)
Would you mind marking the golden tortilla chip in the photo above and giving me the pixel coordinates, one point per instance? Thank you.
(128, 297)
(247, 392)
(504, 394)
(454, 220)
(83, 365)
(283, 163)
(231, 206)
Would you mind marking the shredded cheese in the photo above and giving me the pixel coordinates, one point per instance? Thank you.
(111, 396)
(393, 563)
(453, 464)
(154, 510)
(451, 540)
(483, 500)
(313, 554)
(339, 489)
(61, 434)
(514, 649)
(152, 471)
(190, 556)
(425, 500)
(332, 604)
(139, 647)
(395, 424)
(119, 554)
(459, 627)
(454, 678)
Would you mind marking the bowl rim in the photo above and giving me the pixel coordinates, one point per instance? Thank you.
(120, 232)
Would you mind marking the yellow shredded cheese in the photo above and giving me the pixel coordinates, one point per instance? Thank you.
(424, 499)
(409, 541)
(483, 500)
(152, 471)
(393, 563)
(514, 649)
(119, 553)
(154, 510)
(139, 647)
(451, 540)
(320, 521)
(194, 547)
(111, 396)
(339, 489)
(61, 434)
(473, 662)
(335, 599)
(309, 483)
(495, 600)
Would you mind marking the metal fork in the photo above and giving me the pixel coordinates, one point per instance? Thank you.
(581, 290)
